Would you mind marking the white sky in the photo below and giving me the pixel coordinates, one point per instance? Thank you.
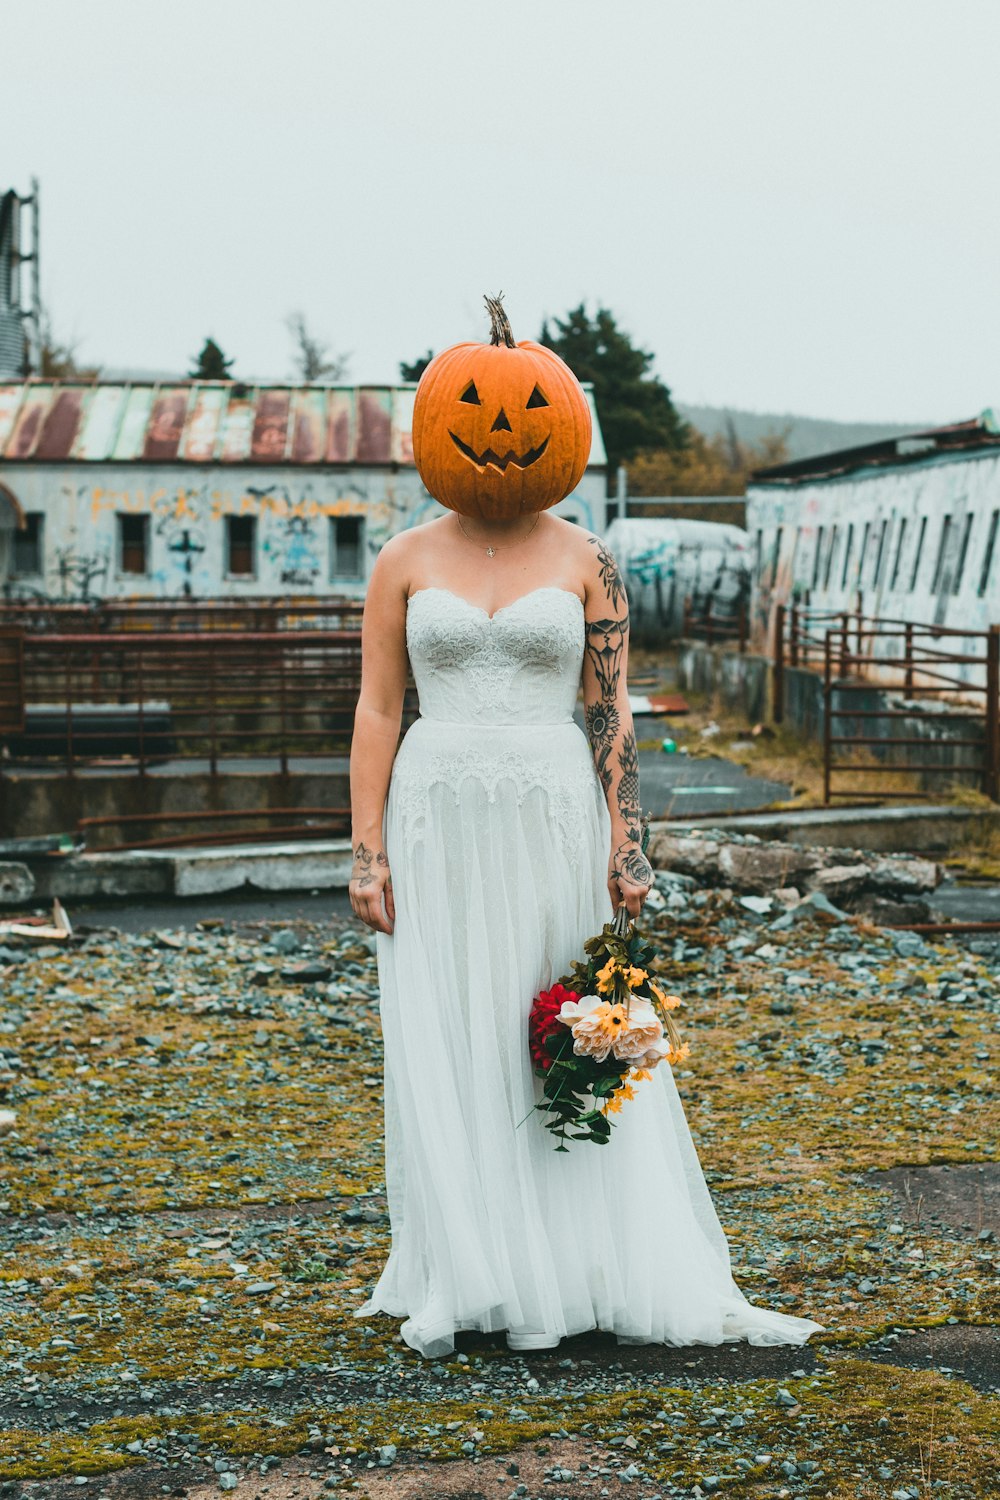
(793, 202)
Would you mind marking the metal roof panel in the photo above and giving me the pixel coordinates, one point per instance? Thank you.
(216, 421)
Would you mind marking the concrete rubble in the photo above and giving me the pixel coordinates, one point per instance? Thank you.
(886, 888)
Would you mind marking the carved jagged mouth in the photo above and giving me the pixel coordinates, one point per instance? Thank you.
(497, 460)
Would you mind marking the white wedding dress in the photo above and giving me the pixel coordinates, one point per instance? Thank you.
(498, 837)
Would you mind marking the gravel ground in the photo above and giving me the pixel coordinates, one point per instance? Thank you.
(192, 1202)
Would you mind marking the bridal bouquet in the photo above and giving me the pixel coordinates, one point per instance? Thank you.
(598, 1030)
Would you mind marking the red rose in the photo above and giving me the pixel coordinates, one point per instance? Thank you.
(544, 1020)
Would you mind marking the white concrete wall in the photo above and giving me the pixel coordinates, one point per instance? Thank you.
(793, 527)
(187, 507)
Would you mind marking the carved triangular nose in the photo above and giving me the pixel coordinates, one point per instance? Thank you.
(501, 424)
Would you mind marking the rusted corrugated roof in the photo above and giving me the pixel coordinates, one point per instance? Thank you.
(212, 422)
(975, 435)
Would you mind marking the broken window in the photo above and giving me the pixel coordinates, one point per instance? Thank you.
(133, 544)
(899, 553)
(918, 553)
(880, 554)
(831, 556)
(991, 537)
(942, 553)
(28, 544)
(346, 537)
(863, 554)
(241, 535)
(819, 556)
(847, 554)
(962, 553)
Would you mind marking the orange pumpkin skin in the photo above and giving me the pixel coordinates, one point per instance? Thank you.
(500, 431)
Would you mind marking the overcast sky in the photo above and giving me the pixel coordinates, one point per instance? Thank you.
(794, 203)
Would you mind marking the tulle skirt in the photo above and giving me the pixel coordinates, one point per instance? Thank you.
(498, 841)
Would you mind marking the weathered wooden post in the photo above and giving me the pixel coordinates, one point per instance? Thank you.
(827, 702)
(991, 777)
(778, 677)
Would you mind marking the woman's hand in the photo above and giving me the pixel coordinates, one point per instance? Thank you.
(371, 876)
(630, 876)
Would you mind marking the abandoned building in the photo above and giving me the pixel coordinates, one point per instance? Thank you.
(904, 529)
(214, 488)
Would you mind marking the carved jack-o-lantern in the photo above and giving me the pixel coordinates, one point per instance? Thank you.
(500, 429)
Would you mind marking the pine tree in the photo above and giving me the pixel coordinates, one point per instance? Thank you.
(212, 364)
(635, 409)
(419, 365)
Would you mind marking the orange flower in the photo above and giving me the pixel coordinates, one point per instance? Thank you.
(669, 1002)
(606, 976)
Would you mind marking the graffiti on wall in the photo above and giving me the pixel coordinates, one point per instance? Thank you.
(667, 563)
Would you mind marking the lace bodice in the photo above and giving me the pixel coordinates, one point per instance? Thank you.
(520, 665)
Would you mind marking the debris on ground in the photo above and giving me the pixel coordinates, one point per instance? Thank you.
(192, 1203)
(32, 928)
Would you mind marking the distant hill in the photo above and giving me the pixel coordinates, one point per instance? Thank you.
(806, 436)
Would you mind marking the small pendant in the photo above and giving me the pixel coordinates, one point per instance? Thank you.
(489, 551)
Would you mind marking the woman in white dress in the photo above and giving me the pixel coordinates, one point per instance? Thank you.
(486, 850)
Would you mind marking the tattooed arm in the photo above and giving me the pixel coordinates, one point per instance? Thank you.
(609, 726)
(377, 719)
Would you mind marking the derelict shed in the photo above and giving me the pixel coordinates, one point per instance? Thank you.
(213, 488)
(904, 529)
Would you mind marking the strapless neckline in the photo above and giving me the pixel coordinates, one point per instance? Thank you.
(547, 588)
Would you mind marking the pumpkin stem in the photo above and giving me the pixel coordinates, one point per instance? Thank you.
(500, 329)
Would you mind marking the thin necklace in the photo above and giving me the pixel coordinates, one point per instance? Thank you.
(490, 548)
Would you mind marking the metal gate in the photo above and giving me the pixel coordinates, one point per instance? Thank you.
(11, 681)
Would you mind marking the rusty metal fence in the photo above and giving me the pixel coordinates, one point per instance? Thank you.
(900, 698)
(163, 616)
(716, 624)
(145, 699)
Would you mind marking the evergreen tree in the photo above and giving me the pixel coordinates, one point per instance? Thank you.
(414, 371)
(635, 409)
(212, 364)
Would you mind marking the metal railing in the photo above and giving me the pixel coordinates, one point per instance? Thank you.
(900, 697)
(705, 620)
(162, 616)
(213, 696)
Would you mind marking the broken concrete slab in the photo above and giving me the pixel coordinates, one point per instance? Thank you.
(17, 884)
(927, 829)
(309, 865)
(754, 866)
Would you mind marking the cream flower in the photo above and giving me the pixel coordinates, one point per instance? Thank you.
(600, 1028)
(643, 1031)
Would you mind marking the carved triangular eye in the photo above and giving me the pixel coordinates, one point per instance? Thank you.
(536, 399)
(470, 395)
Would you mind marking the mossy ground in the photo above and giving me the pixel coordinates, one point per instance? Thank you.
(190, 1209)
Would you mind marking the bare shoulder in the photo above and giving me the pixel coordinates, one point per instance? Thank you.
(605, 585)
(398, 559)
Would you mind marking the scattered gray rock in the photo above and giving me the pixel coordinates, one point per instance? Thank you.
(286, 941)
(808, 906)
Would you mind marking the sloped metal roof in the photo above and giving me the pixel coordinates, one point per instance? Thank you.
(212, 422)
(977, 435)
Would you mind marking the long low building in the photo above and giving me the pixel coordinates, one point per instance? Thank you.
(904, 529)
(214, 488)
